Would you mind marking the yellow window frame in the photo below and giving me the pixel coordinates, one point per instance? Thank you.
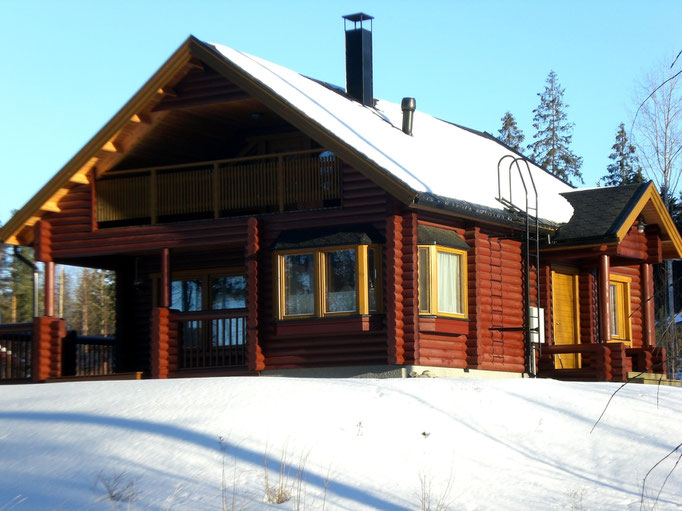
(320, 280)
(432, 281)
(621, 285)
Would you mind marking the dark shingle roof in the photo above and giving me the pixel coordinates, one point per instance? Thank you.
(598, 213)
(471, 210)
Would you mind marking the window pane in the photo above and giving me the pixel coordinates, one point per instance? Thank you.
(372, 279)
(449, 283)
(299, 287)
(614, 311)
(340, 284)
(228, 292)
(424, 278)
(186, 295)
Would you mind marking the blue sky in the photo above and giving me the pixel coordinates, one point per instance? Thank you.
(68, 66)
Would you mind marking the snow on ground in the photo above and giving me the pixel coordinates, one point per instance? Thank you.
(497, 444)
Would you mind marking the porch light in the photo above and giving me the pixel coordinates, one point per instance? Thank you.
(641, 226)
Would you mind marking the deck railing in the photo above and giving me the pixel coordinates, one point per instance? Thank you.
(602, 361)
(211, 338)
(282, 182)
(595, 362)
(84, 355)
(16, 351)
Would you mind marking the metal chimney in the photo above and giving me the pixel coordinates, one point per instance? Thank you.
(359, 58)
(408, 106)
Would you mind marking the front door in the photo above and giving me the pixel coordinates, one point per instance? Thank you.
(566, 322)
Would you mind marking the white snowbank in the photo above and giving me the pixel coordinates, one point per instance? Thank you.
(503, 444)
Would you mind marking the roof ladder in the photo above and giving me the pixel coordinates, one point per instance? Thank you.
(531, 249)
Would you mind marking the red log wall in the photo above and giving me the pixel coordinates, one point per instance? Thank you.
(47, 348)
(495, 303)
(160, 342)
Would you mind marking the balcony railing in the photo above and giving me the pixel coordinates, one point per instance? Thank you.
(282, 182)
(16, 351)
(88, 355)
(211, 338)
(610, 361)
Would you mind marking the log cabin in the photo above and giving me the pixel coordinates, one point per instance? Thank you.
(262, 222)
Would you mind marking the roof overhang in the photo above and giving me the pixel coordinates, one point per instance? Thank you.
(645, 205)
(651, 208)
(18, 230)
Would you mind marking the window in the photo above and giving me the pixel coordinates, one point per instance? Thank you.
(299, 284)
(442, 281)
(186, 295)
(211, 290)
(214, 290)
(619, 288)
(318, 282)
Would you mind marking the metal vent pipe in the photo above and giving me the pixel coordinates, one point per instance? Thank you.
(408, 106)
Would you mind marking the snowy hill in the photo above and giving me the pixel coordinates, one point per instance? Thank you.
(347, 445)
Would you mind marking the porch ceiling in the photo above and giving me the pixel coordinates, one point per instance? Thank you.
(208, 132)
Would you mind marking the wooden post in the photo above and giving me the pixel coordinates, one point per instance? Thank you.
(411, 289)
(153, 199)
(604, 299)
(254, 355)
(215, 185)
(47, 348)
(280, 183)
(49, 288)
(61, 292)
(648, 318)
(394, 290)
(93, 200)
(160, 344)
(165, 278)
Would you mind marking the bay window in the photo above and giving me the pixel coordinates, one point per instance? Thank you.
(328, 281)
(442, 281)
(442, 266)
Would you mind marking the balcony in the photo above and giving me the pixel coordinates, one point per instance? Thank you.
(263, 184)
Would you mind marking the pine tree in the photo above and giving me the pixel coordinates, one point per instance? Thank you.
(625, 168)
(553, 135)
(95, 303)
(20, 288)
(510, 134)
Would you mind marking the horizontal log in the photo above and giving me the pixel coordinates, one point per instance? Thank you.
(443, 362)
(425, 351)
(509, 367)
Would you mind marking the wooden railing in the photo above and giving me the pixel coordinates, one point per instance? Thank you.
(282, 182)
(88, 355)
(211, 338)
(602, 362)
(16, 351)
(595, 362)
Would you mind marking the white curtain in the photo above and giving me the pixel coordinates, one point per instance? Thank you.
(449, 283)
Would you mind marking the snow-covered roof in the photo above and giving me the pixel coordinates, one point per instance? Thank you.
(440, 163)
(439, 158)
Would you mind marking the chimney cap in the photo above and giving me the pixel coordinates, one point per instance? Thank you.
(358, 16)
(408, 104)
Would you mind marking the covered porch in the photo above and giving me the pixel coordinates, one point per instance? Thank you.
(598, 286)
(180, 312)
